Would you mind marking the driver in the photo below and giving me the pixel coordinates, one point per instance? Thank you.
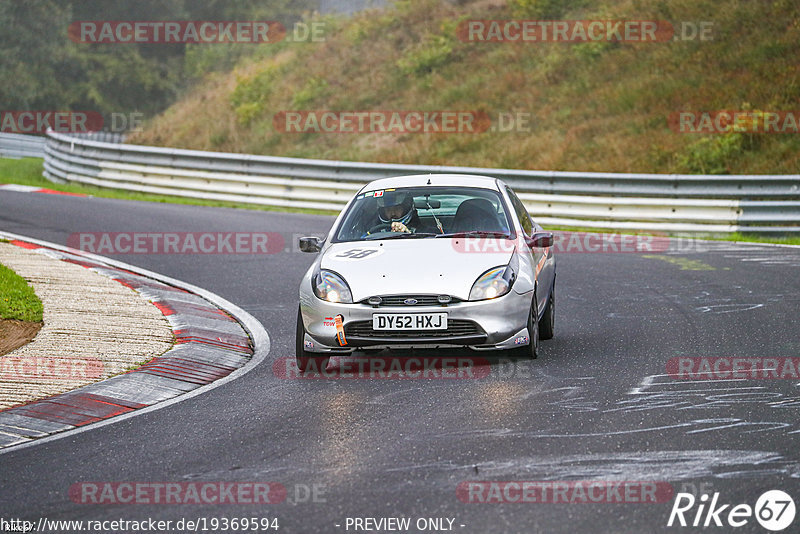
(396, 209)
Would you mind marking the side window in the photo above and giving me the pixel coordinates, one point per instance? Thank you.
(522, 213)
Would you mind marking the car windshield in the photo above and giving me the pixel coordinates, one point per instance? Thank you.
(424, 212)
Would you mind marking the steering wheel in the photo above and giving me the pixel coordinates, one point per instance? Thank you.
(382, 227)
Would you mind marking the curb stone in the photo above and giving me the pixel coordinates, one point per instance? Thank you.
(94, 328)
(210, 345)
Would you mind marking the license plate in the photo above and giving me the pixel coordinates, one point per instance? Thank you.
(409, 321)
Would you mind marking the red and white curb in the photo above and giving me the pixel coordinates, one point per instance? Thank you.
(33, 189)
(216, 341)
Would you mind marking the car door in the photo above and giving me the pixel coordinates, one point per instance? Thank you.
(543, 269)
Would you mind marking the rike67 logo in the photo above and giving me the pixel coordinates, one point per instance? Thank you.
(774, 510)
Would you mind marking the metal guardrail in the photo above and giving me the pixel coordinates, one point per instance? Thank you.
(32, 146)
(21, 146)
(654, 202)
(103, 137)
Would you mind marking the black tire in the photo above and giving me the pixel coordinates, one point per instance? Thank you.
(532, 349)
(306, 360)
(547, 325)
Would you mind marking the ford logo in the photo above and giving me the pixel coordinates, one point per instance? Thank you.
(410, 302)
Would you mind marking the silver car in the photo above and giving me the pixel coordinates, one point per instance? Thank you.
(426, 261)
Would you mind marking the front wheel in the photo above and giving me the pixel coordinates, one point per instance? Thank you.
(548, 323)
(306, 360)
(532, 349)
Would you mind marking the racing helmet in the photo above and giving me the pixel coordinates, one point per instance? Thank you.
(395, 198)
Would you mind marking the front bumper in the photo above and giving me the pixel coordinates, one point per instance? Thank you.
(499, 323)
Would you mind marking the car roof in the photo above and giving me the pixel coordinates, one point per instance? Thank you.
(419, 180)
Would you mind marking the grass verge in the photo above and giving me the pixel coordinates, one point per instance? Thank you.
(608, 105)
(17, 299)
(734, 237)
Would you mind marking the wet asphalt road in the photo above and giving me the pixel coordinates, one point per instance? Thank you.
(596, 405)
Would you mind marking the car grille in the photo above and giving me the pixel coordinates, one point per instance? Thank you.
(455, 328)
(422, 300)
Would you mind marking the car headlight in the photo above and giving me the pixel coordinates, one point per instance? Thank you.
(328, 285)
(494, 283)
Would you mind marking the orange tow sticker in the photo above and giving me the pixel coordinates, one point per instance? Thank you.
(339, 321)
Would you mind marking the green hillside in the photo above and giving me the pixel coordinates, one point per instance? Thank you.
(593, 106)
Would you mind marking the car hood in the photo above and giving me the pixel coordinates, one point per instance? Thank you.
(411, 266)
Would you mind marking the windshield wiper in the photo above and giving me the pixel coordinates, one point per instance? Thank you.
(475, 233)
(405, 235)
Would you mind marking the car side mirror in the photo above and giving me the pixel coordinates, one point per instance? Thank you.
(540, 240)
(311, 244)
